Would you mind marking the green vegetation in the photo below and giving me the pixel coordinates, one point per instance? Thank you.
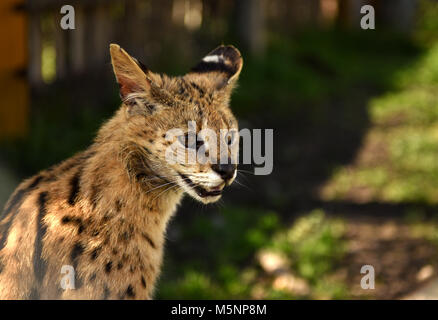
(404, 137)
(313, 67)
(231, 264)
(228, 239)
(314, 244)
(421, 227)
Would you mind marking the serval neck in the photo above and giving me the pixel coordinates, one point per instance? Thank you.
(119, 182)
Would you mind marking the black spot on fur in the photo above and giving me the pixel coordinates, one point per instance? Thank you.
(147, 150)
(119, 266)
(95, 194)
(76, 252)
(140, 176)
(78, 282)
(82, 158)
(118, 205)
(106, 217)
(182, 85)
(39, 263)
(74, 188)
(95, 253)
(19, 196)
(70, 164)
(200, 90)
(66, 219)
(15, 201)
(106, 293)
(130, 292)
(143, 282)
(125, 236)
(92, 277)
(35, 182)
(151, 107)
(108, 267)
(13, 206)
(74, 220)
(149, 240)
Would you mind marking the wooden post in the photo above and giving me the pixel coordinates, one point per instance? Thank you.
(349, 13)
(35, 48)
(101, 30)
(60, 47)
(251, 25)
(398, 15)
(134, 24)
(77, 53)
(14, 106)
(328, 12)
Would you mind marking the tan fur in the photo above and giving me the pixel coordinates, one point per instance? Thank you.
(105, 210)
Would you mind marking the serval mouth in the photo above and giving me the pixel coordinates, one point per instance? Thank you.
(200, 191)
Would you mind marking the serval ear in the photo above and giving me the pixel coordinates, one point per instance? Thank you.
(222, 66)
(132, 76)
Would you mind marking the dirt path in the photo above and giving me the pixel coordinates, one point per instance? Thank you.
(403, 261)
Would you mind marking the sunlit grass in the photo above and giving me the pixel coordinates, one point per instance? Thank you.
(314, 245)
(407, 121)
(311, 248)
(422, 227)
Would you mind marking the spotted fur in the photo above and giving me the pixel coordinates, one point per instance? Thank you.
(105, 210)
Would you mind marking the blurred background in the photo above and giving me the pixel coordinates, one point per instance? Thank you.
(355, 119)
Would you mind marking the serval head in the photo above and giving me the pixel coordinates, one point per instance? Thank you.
(173, 119)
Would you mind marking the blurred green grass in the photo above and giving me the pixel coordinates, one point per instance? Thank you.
(404, 123)
(230, 267)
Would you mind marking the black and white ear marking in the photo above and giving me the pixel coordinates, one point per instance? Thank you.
(225, 60)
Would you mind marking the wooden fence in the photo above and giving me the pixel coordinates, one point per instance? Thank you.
(130, 22)
(14, 105)
(39, 47)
